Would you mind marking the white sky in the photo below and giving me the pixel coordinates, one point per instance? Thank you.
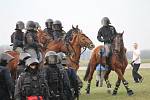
(132, 16)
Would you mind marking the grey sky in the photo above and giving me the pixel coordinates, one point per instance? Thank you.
(132, 16)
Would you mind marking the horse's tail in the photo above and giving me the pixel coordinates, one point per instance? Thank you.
(87, 72)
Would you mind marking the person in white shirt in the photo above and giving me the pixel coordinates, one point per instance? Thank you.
(136, 61)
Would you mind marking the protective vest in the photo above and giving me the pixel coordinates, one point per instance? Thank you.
(54, 78)
(33, 85)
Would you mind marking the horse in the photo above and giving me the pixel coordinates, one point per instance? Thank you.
(118, 64)
(78, 41)
(12, 65)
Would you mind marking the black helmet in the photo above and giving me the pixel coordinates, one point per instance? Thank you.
(51, 57)
(20, 25)
(30, 25)
(57, 25)
(105, 21)
(37, 25)
(49, 23)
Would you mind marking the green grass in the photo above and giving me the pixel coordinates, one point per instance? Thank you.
(141, 90)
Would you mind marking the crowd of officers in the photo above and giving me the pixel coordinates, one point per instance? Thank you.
(37, 82)
(21, 41)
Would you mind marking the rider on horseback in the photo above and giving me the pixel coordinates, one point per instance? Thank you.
(31, 40)
(49, 30)
(18, 36)
(58, 33)
(106, 34)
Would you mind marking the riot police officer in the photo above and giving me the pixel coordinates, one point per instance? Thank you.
(106, 34)
(54, 76)
(6, 82)
(17, 37)
(21, 66)
(49, 30)
(58, 33)
(31, 40)
(68, 90)
(31, 84)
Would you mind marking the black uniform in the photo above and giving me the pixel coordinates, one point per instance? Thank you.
(17, 39)
(6, 84)
(31, 84)
(55, 82)
(106, 34)
(49, 32)
(59, 34)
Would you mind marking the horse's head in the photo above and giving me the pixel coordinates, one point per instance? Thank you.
(118, 44)
(80, 39)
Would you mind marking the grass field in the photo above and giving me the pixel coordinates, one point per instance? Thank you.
(141, 90)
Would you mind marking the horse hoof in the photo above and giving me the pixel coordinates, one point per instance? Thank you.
(130, 92)
(109, 90)
(114, 93)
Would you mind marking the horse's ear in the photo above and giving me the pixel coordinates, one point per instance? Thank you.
(73, 27)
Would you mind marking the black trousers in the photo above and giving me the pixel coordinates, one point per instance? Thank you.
(135, 74)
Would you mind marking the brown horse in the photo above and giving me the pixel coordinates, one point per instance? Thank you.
(12, 65)
(78, 41)
(118, 64)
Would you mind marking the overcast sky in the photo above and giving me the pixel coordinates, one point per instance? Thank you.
(132, 16)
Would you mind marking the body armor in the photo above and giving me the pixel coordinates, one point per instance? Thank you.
(17, 39)
(55, 82)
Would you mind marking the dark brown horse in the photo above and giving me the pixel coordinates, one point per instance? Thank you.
(118, 64)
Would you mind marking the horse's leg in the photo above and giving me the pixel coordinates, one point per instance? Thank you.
(120, 76)
(92, 69)
(107, 81)
(116, 87)
(129, 91)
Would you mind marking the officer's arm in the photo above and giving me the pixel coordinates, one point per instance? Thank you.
(9, 82)
(99, 36)
(18, 86)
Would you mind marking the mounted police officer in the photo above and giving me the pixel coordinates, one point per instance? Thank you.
(31, 84)
(54, 76)
(31, 41)
(17, 37)
(21, 66)
(6, 82)
(106, 34)
(49, 30)
(58, 33)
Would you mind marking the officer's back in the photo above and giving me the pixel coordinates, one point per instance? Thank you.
(6, 83)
